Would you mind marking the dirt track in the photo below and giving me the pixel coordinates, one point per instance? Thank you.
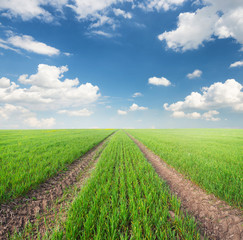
(216, 219)
(16, 214)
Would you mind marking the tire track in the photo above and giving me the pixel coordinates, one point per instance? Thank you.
(215, 217)
(38, 202)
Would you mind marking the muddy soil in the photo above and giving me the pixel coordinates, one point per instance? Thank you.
(44, 200)
(216, 219)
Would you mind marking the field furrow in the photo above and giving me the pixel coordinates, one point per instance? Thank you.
(28, 158)
(126, 199)
(31, 216)
(211, 158)
(217, 219)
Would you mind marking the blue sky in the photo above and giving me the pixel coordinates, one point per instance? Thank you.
(121, 64)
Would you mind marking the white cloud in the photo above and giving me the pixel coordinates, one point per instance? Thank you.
(96, 11)
(195, 74)
(119, 12)
(30, 9)
(137, 94)
(78, 113)
(28, 43)
(102, 33)
(108, 107)
(11, 114)
(132, 108)
(135, 107)
(237, 64)
(151, 5)
(4, 45)
(48, 90)
(178, 114)
(217, 96)
(100, 20)
(67, 54)
(4, 82)
(159, 81)
(222, 19)
(84, 8)
(121, 112)
(209, 116)
(33, 122)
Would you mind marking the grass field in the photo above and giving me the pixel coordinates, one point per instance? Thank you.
(212, 158)
(126, 199)
(29, 157)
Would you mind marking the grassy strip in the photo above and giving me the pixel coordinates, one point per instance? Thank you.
(126, 199)
(212, 158)
(53, 217)
(28, 158)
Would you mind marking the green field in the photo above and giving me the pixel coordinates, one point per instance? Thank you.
(28, 158)
(212, 158)
(126, 199)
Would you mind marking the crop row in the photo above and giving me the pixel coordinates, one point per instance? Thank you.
(126, 199)
(212, 158)
(28, 158)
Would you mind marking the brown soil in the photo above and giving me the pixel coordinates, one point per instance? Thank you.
(216, 219)
(41, 205)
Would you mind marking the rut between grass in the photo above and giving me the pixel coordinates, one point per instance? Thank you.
(43, 205)
(216, 219)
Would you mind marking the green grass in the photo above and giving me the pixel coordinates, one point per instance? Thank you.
(125, 199)
(212, 158)
(29, 157)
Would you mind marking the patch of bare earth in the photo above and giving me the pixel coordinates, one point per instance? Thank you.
(43, 205)
(216, 219)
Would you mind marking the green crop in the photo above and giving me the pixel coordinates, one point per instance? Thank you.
(212, 158)
(28, 158)
(126, 199)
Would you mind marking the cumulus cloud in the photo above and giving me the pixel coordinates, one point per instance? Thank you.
(151, 5)
(221, 19)
(4, 82)
(195, 74)
(76, 113)
(217, 96)
(132, 108)
(97, 11)
(236, 64)
(135, 107)
(30, 9)
(119, 12)
(137, 94)
(159, 81)
(121, 112)
(12, 114)
(48, 90)
(33, 122)
(29, 44)
(209, 116)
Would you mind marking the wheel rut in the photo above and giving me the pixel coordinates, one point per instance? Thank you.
(43, 201)
(216, 219)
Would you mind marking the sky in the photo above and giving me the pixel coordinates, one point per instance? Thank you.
(121, 64)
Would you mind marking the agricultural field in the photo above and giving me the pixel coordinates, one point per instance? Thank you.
(116, 191)
(212, 158)
(27, 158)
(126, 199)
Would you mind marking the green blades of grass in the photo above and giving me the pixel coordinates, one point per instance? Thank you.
(212, 158)
(29, 157)
(126, 199)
